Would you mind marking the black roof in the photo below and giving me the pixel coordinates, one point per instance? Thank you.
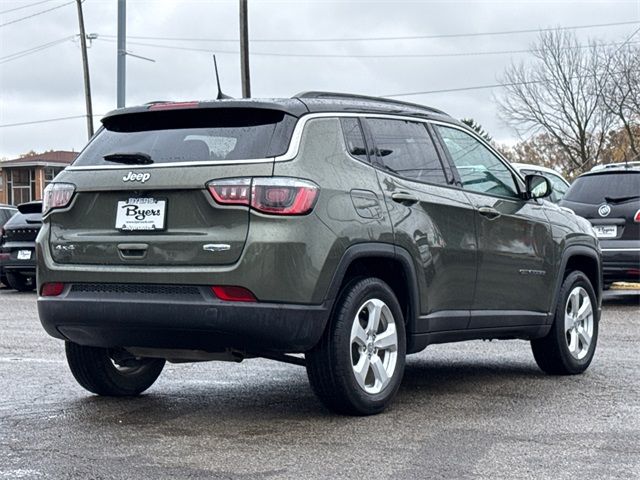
(300, 104)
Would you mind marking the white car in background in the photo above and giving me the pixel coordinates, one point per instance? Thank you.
(558, 183)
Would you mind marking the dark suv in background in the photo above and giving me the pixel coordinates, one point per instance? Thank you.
(6, 212)
(609, 197)
(353, 230)
(17, 247)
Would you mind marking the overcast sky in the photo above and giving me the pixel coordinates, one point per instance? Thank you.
(48, 84)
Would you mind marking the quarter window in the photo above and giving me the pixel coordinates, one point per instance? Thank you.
(406, 149)
(354, 138)
(480, 170)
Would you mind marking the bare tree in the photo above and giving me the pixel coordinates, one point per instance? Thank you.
(559, 94)
(621, 92)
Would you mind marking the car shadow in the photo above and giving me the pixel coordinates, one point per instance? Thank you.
(270, 402)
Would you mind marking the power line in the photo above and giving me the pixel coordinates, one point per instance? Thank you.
(24, 6)
(35, 14)
(332, 55)
(367, 39)
(29, 51)
(478, 87)
(48, 120)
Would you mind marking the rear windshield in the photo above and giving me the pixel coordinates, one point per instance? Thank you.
(593, 188)
(196, 135)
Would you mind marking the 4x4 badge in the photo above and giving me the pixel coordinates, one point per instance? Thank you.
(604, 210)
(136, 177)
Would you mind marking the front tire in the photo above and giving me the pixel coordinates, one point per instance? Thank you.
(357, 367)
(570, 345)
(20, 283)
(110, 373)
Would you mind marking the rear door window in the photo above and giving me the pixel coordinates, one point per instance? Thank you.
(194, 135)
(406, 149)
(354, 138)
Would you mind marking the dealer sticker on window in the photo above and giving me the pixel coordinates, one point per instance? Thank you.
(146, 214)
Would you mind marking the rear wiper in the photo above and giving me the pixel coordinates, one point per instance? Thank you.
(129, 158)
(620, 199)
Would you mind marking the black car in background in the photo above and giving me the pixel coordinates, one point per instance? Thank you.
(17, 247)
(609, 197)
(6, 212)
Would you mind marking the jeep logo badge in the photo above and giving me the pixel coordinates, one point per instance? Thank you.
(604, 210)
(136, 177)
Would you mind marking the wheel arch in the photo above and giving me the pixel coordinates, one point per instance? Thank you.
(585, 259)
(391, 264)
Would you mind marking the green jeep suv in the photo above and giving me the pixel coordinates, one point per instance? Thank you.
(353, 230)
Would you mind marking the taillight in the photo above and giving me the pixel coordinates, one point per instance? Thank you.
(235, 191)
(57, 195)
(233, 294)
(272, 195)
(52, 289)
(636, 217)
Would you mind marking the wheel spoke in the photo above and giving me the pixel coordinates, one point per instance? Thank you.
(585, 310)
(358, 335)
(584, 336)
(379, 371)
(568, 322)
(575, 302)
(361, 369)
(387, 339)
(573, 341)
(375, 312)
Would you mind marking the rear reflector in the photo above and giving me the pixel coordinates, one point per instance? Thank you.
(5, 256)
(233, 294)
(52, 289)
(636, 217)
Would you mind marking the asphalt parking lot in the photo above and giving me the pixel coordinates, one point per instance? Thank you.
(467, 410)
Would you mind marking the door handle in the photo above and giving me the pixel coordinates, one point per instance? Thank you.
(490, 213)
(133, 250)
(404, 198)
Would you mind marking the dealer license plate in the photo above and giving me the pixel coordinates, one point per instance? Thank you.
(141, 214)
(606, 231)
(24, 254)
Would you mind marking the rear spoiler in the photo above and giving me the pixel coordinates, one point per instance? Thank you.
(31, 207)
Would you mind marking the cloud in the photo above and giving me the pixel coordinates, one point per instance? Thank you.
(48, 84)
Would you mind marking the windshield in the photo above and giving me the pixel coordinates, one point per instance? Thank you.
(191, 136)
(593, 188)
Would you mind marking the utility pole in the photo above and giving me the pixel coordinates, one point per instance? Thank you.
(122, 52)
(244, 50)
(85, 68)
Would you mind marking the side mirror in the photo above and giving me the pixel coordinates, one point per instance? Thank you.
(537, 186)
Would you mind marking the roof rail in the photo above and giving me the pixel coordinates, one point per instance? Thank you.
(367, 98)
(608, 166)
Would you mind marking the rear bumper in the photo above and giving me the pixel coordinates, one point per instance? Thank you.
(621, 262)
(15, 265)
(169, 317)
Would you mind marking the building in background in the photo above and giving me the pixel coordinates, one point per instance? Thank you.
(24, 179)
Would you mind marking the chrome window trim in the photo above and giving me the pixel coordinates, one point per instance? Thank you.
(294, 144)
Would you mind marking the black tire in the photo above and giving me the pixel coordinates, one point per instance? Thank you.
(3, 280)
(330, 366)
(552, 353)
(20, 283)
(94, 370)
